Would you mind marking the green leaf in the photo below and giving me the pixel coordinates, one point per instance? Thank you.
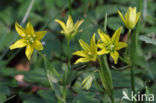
(47, 95)
(3, 98)
(86, 98)
(53, 80)
(105, 75)
(147, 40)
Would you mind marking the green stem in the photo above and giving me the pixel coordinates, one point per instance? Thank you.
(105, 23)
(69, 6)
(64, 93)
(68, 45)
(132, 79)
(67, 72)
(129, 33)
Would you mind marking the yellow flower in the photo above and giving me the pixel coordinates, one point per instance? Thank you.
(29, 38)
(69, 29)
(111, 45)
(131, 17)
(89, 53)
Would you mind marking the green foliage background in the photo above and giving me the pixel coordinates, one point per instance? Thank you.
(42, 16)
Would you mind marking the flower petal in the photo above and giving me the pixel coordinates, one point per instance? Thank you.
(116, 35)
(127, 15)
(29, 51)
(104, 37)
(103, 51)
(93, 46)
(18, 44)
(81, 53)
(121, 16)
(120, 45)
(137, 17)
(69, 22)
(101, 45)
(40, 34)
(62, 24)
(82, 60)
(115, 56)
(21, 31)
(84, 45)
(131, 17)
(77, 25)
(133, 14)
(30, 29)
(37, 45)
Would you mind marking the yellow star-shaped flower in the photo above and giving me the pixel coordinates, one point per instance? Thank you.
(69, 29)
(111, 45)
(89, 52)
(29, 38)
(131, 17)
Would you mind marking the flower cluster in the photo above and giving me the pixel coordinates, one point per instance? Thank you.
(105, 45)
(108, 45)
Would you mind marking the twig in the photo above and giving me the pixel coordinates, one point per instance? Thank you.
(27, 12)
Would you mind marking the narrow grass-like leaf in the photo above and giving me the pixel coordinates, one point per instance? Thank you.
(147, 40)
(105, 76)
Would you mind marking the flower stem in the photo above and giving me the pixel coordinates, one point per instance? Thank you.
(69, 6)
(68, 45)
(129, 33)
(105, 23)
(66, 72)
(64, 93)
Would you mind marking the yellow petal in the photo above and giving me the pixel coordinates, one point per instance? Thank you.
(69, 22)
(131, 18)
(40, 34)
(133, 15)
(104, 37)
(103, 51)
(82, 60)
(127, 15)
(81, 53)
(101, 45)
(84, 45)
(116, 35)
(30, 29)
(29, 51)
(21, 31)
(18, 44)
(115, 56)
(77, 25)
(137, 17)
(62, 24)
(38, 45)
(121, 16)
(93, 46)
(120, 45)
